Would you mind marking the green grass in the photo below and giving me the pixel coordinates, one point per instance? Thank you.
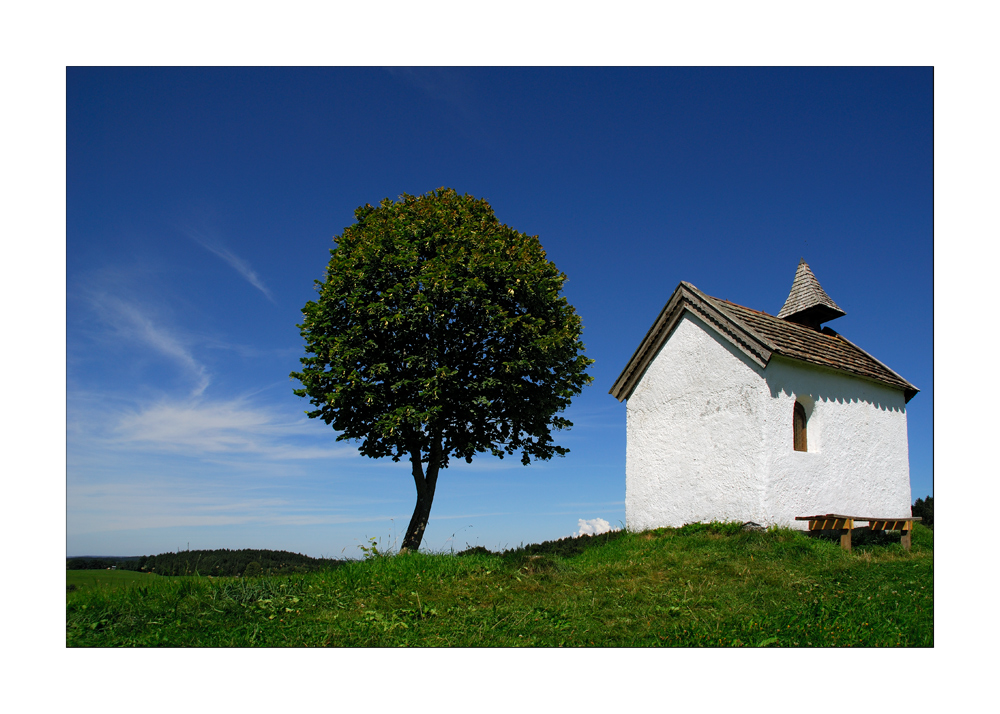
(698, 586)
(113, 579)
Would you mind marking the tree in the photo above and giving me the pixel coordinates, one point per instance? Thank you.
(440, 333)
(924, 508)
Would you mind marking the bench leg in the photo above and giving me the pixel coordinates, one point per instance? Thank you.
(845, 539)
(905, 539)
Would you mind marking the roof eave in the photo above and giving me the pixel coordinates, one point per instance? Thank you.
(909, 391)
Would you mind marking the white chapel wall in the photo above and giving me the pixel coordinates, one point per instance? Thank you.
(694, 434)
(857, 461)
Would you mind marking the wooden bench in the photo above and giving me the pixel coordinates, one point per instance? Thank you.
(845, 524)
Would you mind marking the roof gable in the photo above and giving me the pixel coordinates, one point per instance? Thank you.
(687, 298)
(757, 335)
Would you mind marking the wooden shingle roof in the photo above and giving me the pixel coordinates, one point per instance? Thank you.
(758, 335)
(807, 302)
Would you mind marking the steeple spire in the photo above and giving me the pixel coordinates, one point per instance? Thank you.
(807, 303)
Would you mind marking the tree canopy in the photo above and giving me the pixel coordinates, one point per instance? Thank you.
(440, 332)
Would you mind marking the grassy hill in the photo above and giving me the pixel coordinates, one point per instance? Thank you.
(108, 579)
(697, 586)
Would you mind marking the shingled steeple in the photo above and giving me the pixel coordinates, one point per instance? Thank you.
(807, 304)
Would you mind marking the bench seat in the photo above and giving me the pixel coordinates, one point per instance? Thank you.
(845, 524)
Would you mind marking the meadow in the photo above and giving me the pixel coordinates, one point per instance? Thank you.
(708, 585)
(102, 579)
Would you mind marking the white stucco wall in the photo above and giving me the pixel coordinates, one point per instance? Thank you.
(694, 433)
(858, 461)
(709, 437)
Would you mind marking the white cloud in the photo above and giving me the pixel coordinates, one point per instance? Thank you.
(153, 503)
(199, 427)
(235, 262)
(595, 526)
(131, 321)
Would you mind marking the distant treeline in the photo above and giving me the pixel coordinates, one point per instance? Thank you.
(89, 563)
(924, 508)
(246, 562)
(563, 547)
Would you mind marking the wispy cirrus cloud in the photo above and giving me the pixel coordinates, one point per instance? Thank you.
(237, 263)
(153, 499)
(202, 427)
(128, 319)
(156, 503)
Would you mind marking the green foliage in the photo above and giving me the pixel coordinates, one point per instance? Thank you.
(924, 508)
(372, 549)
(566, 547)
(440, 333)
(85, 563)
(475, 550)
(669, 587)
(222, 562)
(437, 322)
(714, 527)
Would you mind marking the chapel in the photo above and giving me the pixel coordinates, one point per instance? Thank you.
(733, 414)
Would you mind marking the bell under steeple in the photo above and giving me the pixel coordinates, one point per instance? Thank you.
(807, 303)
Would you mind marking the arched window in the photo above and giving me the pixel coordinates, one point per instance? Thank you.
(799, 427)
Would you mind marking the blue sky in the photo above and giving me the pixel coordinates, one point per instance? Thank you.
(201, 205)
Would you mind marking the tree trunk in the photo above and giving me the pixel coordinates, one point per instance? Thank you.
(425, 497)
